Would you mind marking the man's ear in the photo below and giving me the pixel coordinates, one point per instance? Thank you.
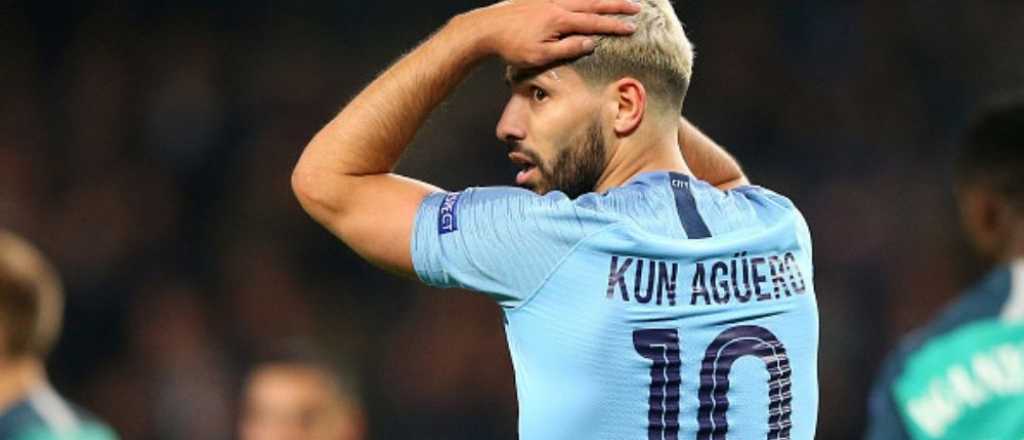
(631, 99)
(986, 217)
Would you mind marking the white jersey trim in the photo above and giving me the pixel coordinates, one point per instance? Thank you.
(53, 410)
(1014, 308)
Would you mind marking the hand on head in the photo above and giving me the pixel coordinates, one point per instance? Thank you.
(531, 33)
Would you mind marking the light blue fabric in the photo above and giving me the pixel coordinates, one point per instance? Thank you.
(583, 282)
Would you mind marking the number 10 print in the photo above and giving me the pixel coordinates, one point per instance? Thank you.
(661, 346)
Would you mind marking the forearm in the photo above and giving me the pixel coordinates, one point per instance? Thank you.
(370, 134)
(344, 178)
(707, 160)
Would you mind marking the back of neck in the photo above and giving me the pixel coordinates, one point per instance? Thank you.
(18, 377)
(642, 154)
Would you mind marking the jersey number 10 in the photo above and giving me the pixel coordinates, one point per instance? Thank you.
(662, 347)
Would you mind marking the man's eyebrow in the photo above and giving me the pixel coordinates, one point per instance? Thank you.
(514, 77)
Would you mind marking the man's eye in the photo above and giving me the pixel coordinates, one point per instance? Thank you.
(539, 94)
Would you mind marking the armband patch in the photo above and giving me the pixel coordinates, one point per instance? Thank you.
(447, 216)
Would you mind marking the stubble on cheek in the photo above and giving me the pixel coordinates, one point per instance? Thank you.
(578, 167)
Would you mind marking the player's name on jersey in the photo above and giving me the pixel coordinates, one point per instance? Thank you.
(741, 279)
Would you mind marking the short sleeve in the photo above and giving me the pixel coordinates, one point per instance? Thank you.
(501, 241)
(886, 422)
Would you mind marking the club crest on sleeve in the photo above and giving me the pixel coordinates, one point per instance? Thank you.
(447, 216)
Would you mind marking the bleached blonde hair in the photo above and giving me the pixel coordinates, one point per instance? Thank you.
(658, 54)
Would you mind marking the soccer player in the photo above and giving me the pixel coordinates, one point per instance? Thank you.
(31, 305)
(296, 396)
(962, 376)
(645, 295)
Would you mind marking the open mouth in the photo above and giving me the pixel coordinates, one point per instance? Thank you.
(527, 168)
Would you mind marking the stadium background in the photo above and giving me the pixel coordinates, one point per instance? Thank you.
(147, 146)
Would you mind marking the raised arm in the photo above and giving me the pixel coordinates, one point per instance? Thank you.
(708, 160)
(344, 178)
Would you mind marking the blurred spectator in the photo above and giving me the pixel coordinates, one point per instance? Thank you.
(294, 395)
(31, 311)
(961, 376)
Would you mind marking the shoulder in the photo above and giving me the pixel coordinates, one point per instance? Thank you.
(763, 197)
(770, 208)
(965, 329)
(16, 418)
(746, 196)
(46, 415)
(500, 240)
(750, 208)
(982, 301)
(91, 427)
(514, 208)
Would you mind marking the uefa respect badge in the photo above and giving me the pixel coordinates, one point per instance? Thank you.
(447, 215)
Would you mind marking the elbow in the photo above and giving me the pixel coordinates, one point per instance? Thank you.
(312, 189)
(733, 183)
(303, 183)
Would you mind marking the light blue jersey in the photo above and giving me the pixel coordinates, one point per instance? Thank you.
(662, 309)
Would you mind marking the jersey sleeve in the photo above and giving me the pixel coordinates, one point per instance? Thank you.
(884, 419)
(500, 241)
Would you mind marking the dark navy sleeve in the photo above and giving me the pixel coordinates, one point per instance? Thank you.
(884, 419)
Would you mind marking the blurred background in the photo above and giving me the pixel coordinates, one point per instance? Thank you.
(147, 148)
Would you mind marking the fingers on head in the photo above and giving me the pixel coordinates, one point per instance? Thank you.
(602, 6)
(583, 23)
(569, 47)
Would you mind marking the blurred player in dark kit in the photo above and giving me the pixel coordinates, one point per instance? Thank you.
(31, 309)
(294, 395)
(962, 376)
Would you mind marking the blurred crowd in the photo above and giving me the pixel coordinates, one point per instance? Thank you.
(146, 147)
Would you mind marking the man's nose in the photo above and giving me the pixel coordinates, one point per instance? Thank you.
(510, 127)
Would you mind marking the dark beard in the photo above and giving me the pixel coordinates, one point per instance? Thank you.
(578, 167)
